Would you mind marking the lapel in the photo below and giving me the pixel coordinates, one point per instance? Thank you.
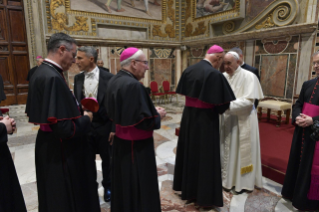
(102, 87)
(79, 87)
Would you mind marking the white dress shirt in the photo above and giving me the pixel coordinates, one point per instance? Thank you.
(91, 82)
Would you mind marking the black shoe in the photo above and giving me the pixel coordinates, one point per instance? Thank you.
(107, 195)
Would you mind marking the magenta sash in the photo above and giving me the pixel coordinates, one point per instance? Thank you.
(132, 133)
(193, 102)
(45, 128)
(313, 193)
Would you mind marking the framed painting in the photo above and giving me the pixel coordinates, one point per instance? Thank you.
(218, 10)
(129, 9)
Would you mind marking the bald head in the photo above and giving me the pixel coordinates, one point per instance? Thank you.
(216, 59)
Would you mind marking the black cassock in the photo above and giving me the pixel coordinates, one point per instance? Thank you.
(197, 166)
(134, 174)
(298, 174)
(11, 198)
(2, 94)
(31, 72)
(65, 174)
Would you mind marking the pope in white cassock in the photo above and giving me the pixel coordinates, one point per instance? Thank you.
(239, 136)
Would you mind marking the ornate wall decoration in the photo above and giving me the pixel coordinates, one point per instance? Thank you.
(276, 45)
(199, 30)
(268, 23)
(60, 20)
(277, 14)
(197, 52)
(163, 53)
(157, 31)
(169, 28)
(228, 27)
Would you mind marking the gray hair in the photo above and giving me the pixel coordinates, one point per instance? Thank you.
(60, 39)
(89, 51)
(133, 57)
(99, 59)
(234, 54)
(237, 50)
(316, 53)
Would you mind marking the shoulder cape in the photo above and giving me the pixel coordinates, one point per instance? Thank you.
(49, 98)
(205, 83)
(128, 102)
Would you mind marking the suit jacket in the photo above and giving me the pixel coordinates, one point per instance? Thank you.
(104, 69)
(251, 69)
(101, 123)
(256, 72)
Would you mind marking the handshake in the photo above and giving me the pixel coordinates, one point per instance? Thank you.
(9, 123)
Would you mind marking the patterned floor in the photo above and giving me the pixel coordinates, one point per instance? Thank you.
(22, 145)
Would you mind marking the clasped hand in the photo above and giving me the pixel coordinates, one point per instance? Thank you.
(304, 120)
(9, 123)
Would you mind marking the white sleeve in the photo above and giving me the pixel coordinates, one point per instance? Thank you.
(241, 106)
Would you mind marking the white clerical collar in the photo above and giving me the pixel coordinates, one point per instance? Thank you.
(54, 63)
(94, 72)
(243, 63)
(208, 61)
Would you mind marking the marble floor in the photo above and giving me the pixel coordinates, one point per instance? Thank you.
(22, 144)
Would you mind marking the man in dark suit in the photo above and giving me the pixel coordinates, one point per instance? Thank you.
(100, 64)
(92, 82)
(246, 66)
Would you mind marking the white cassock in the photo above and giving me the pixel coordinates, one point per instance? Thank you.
(239, 134)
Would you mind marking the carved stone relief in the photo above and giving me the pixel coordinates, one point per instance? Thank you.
(276, 45)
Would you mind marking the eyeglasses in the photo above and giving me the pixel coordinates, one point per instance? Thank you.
(145, 62)
(315, 63)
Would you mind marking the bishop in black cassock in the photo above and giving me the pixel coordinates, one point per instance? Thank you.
(65, 174)
(134, 176)
(197, 166)
(298, 175)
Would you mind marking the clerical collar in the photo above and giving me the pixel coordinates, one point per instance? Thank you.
(243, 63)
(54, 63)
(129, 73)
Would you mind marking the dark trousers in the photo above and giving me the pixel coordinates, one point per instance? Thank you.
(100, 145)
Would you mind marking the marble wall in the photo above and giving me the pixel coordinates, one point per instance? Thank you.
(276, 58)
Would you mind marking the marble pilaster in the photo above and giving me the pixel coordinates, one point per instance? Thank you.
(304, 67)
(249, 52)
(178, 70)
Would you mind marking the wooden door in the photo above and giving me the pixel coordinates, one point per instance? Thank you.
(14, 58)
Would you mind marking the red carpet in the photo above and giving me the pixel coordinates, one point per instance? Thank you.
(275, 143)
